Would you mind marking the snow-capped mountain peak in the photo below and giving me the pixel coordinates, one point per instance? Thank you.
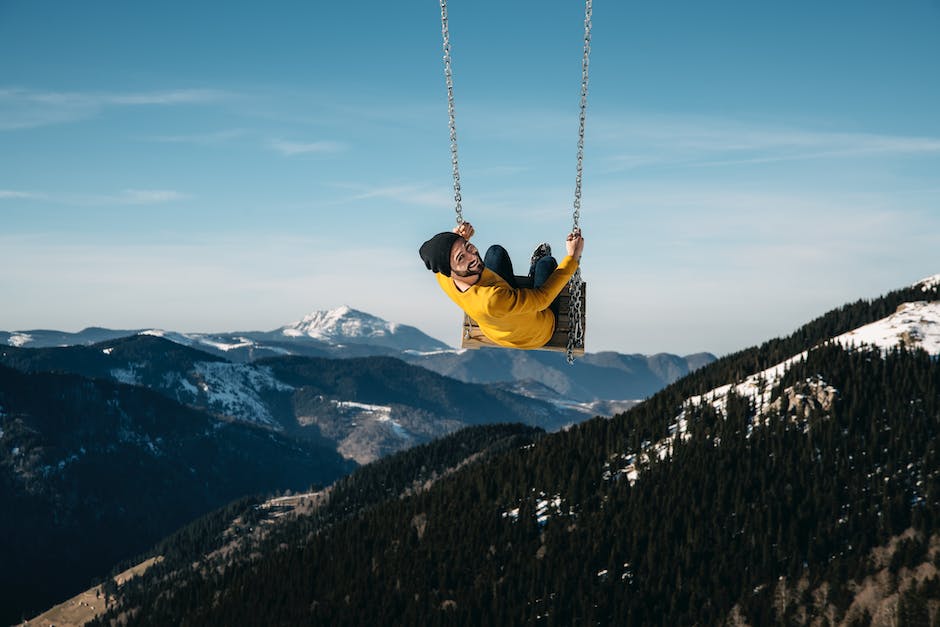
(338, 324)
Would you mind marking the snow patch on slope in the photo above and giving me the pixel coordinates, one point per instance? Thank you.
(756, 387)
(128, 375)
(914, 325)
(928, 284)
(173, 336)
(381, 414)
(234, 390)
(19, 339)
(545, 507)
(236, 343)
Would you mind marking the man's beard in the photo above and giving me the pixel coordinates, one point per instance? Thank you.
(469, 273)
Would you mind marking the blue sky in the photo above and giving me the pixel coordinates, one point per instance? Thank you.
(234, 166)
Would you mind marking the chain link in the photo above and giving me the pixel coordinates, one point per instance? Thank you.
(576, 304)
(449, 78)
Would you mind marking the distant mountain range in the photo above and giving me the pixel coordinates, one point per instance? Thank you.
(321, 333)
(598, 383)
(365, 407)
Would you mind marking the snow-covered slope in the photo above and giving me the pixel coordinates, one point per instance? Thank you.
(928, 284)
(236, 390)
(913, 325)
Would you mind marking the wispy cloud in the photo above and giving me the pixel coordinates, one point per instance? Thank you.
(22, 108)
(409, 194)
(504, 170)
(202, 139)
(123, 197)
(713, 142)
(11, 194)
(172, 97)
(147, 196)
(291, 148)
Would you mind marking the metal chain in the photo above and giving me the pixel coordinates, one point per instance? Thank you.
(575, 316)
(576, 305)
(585, 61)
(449, 78)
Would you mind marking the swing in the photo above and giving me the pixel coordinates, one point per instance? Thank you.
(568, 336)
(472, 336)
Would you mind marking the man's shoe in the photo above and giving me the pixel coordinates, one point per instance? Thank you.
(542, 250)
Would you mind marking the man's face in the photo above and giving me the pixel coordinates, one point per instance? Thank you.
(465, 259)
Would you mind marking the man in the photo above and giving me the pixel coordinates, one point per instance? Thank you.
(486, 289)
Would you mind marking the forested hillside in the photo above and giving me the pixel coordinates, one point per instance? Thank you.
(92, 472)
(750, 514)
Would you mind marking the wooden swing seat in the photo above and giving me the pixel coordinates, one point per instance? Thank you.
(472, 337)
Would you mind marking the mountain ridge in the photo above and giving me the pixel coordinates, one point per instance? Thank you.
(347, 333)
(369, 406)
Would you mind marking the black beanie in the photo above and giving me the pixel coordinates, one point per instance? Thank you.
(436, 252)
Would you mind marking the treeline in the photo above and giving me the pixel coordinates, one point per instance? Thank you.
(414, 468)
(370, 485)
(538, 535)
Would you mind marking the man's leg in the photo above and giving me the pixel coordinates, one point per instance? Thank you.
(497, 260)
(543, 269)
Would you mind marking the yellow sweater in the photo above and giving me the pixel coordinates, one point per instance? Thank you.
(517, 318)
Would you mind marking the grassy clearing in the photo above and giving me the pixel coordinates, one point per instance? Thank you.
(83, 607)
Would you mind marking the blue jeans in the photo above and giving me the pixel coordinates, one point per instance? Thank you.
(497, 260)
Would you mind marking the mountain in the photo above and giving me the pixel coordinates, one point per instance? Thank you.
(337, 332)
(363, 407)
(600, 376)
(797, 482)
(93, 472)
(346, 332)
(344, 326)
(377, 405)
